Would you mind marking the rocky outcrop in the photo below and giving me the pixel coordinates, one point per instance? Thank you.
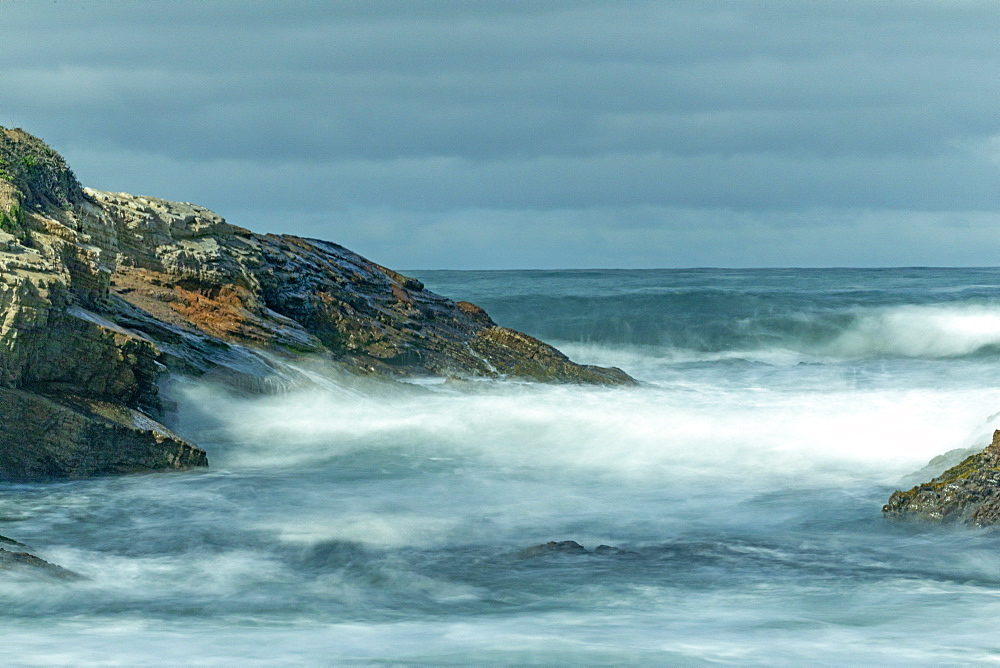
(525, 356)
(968, 493)
(101, 293)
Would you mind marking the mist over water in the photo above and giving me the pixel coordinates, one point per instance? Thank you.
(349, 520)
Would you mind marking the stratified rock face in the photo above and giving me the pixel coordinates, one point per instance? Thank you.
(101, 292)
(968, 493)
(186, 267)
(78, 438)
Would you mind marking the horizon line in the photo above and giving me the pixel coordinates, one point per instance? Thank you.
(722, 268)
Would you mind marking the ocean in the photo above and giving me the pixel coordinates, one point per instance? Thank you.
(352, 521)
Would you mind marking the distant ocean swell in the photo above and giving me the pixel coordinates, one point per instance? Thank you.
(787, 321)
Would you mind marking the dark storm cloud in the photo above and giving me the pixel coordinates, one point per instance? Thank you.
(417, 112)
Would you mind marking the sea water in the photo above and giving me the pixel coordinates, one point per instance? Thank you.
(356, 521)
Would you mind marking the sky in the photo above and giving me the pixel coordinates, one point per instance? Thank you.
(505, 134)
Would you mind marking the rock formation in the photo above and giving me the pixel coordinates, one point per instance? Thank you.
(968, 493)
(101, 293)
(573, 548)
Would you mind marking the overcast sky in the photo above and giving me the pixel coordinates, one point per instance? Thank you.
(548, 134)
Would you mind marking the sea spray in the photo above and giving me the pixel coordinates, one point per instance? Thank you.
(351, 520)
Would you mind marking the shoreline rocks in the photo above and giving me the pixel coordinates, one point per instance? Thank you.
(968, 493)
(103, 293)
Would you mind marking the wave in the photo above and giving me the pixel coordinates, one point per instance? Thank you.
(692, 428)
(914, 332)
(921, 332)
(774, 316)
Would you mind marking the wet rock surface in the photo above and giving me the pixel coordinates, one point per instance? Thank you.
(968, 493)
(79, 438)
(101, 293)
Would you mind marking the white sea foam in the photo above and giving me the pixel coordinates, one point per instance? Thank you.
(709, 626)
(329, 510)
(920, 331)
(916, 332)
(656, 433)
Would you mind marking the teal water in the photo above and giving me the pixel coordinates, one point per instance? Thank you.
(359, 522)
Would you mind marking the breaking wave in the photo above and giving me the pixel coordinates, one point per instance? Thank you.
(779, 316)
(920, 332)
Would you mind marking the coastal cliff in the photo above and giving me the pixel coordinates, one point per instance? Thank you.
(102, 293)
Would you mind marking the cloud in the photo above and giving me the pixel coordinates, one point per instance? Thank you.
(650, 237)
(748, 181)
(297, 111)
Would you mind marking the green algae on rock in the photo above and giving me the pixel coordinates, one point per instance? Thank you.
(968, 493)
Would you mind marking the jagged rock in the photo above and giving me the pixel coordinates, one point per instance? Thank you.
(40, 175)
(101, 292)
(968, 493)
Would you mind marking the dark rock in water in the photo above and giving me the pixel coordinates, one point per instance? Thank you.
(967, 493)
(571, 547)
(22, 562)
(101, 293)
(553, 547)
(612, 551)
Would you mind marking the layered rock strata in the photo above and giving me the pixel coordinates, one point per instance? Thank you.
(101, 293)
(968, 493)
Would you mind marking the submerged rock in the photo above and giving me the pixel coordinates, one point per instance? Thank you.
(24, 563)
(967, 493)
(101, 293)
(554, 547)
(571, 547)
